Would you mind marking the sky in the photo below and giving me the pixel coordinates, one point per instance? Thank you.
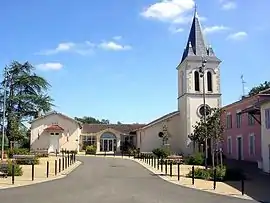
(117, 59)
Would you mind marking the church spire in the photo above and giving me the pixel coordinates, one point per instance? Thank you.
(195, 39)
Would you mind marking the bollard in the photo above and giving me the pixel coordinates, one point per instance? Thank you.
(128, 154)
(242, 185)
(33, 172)
(105, 154)
(171, 169)
(122, 153)
(68, 160)
(55, 167)
(178, 171)
(47, 169)
(63, 163)
(215, 178)
(193, 175)
(161, 164)
(157, 163)
(166, 167)
(74, 158)
(59, 165)
(152, 161)
(13, 173)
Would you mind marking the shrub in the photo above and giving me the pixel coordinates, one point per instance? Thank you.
(161, 153)
(17, 169)
(19, 151)
(91, 149)
(222, 174)
(195, 159)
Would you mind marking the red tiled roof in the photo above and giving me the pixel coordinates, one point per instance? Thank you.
(123, 128)
(54, 127)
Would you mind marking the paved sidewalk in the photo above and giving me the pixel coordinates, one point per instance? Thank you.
(207, 186)
(40, 173)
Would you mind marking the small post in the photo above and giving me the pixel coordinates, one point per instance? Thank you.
(242, 185)
(47, 169)
(215, 178)
(33, 171)
(157, 163)
(105, 154)
(63, 163)
(68, 159)
(55, 167)
(122, 153)
(166, 167)
(128, 154)
(193, 175)
(13, 173)
(171, 168)
(152, 161)
(60, 165)
(178, 171)
(161, 164)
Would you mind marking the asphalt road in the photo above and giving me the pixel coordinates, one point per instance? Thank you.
(107, 180)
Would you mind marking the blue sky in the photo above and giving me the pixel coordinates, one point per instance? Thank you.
(116, 59)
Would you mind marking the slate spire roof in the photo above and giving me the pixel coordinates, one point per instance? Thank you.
(196, 44)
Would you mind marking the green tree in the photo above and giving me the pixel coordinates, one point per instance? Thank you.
(214, 128)
(259, 88)
(92, 120)
(26, 94)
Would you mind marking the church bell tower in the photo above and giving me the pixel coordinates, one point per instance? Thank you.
(198, 82)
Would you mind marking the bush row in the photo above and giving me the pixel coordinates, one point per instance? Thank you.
(222, 174)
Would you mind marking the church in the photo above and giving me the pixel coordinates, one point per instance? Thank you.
(198, 90)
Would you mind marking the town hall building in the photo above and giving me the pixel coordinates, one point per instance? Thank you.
(198, 76)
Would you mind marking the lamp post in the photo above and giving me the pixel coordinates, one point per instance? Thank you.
(202, 74)
(4, 114)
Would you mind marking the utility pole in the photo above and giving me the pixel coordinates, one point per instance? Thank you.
(202, 74)
(4, 114)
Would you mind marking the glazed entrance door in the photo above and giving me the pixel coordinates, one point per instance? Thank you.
(107, 145)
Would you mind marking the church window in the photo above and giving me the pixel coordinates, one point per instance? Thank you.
(209, 82)
(197, 81)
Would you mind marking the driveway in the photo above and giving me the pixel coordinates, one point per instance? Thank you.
(108, 180)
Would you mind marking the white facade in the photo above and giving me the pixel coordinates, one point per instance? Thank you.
(51, 141)
(265, 136)
(190, 99)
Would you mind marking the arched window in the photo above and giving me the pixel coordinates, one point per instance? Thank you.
(209, 82)
(197, 81)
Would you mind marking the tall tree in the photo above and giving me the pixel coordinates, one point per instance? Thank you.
(26, 94)
(259, 88)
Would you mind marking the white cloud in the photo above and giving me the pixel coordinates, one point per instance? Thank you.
(237, 36)
(214, 29)
(71, 47)
(86, 47)
(229, 5)
(170, 10)
(114, 46)
(117, 38)
(49, 66)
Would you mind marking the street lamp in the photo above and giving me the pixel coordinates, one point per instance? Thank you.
(202, 74)
(4, 114)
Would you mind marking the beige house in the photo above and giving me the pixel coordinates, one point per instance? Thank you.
(55, 131)
(192, 83)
